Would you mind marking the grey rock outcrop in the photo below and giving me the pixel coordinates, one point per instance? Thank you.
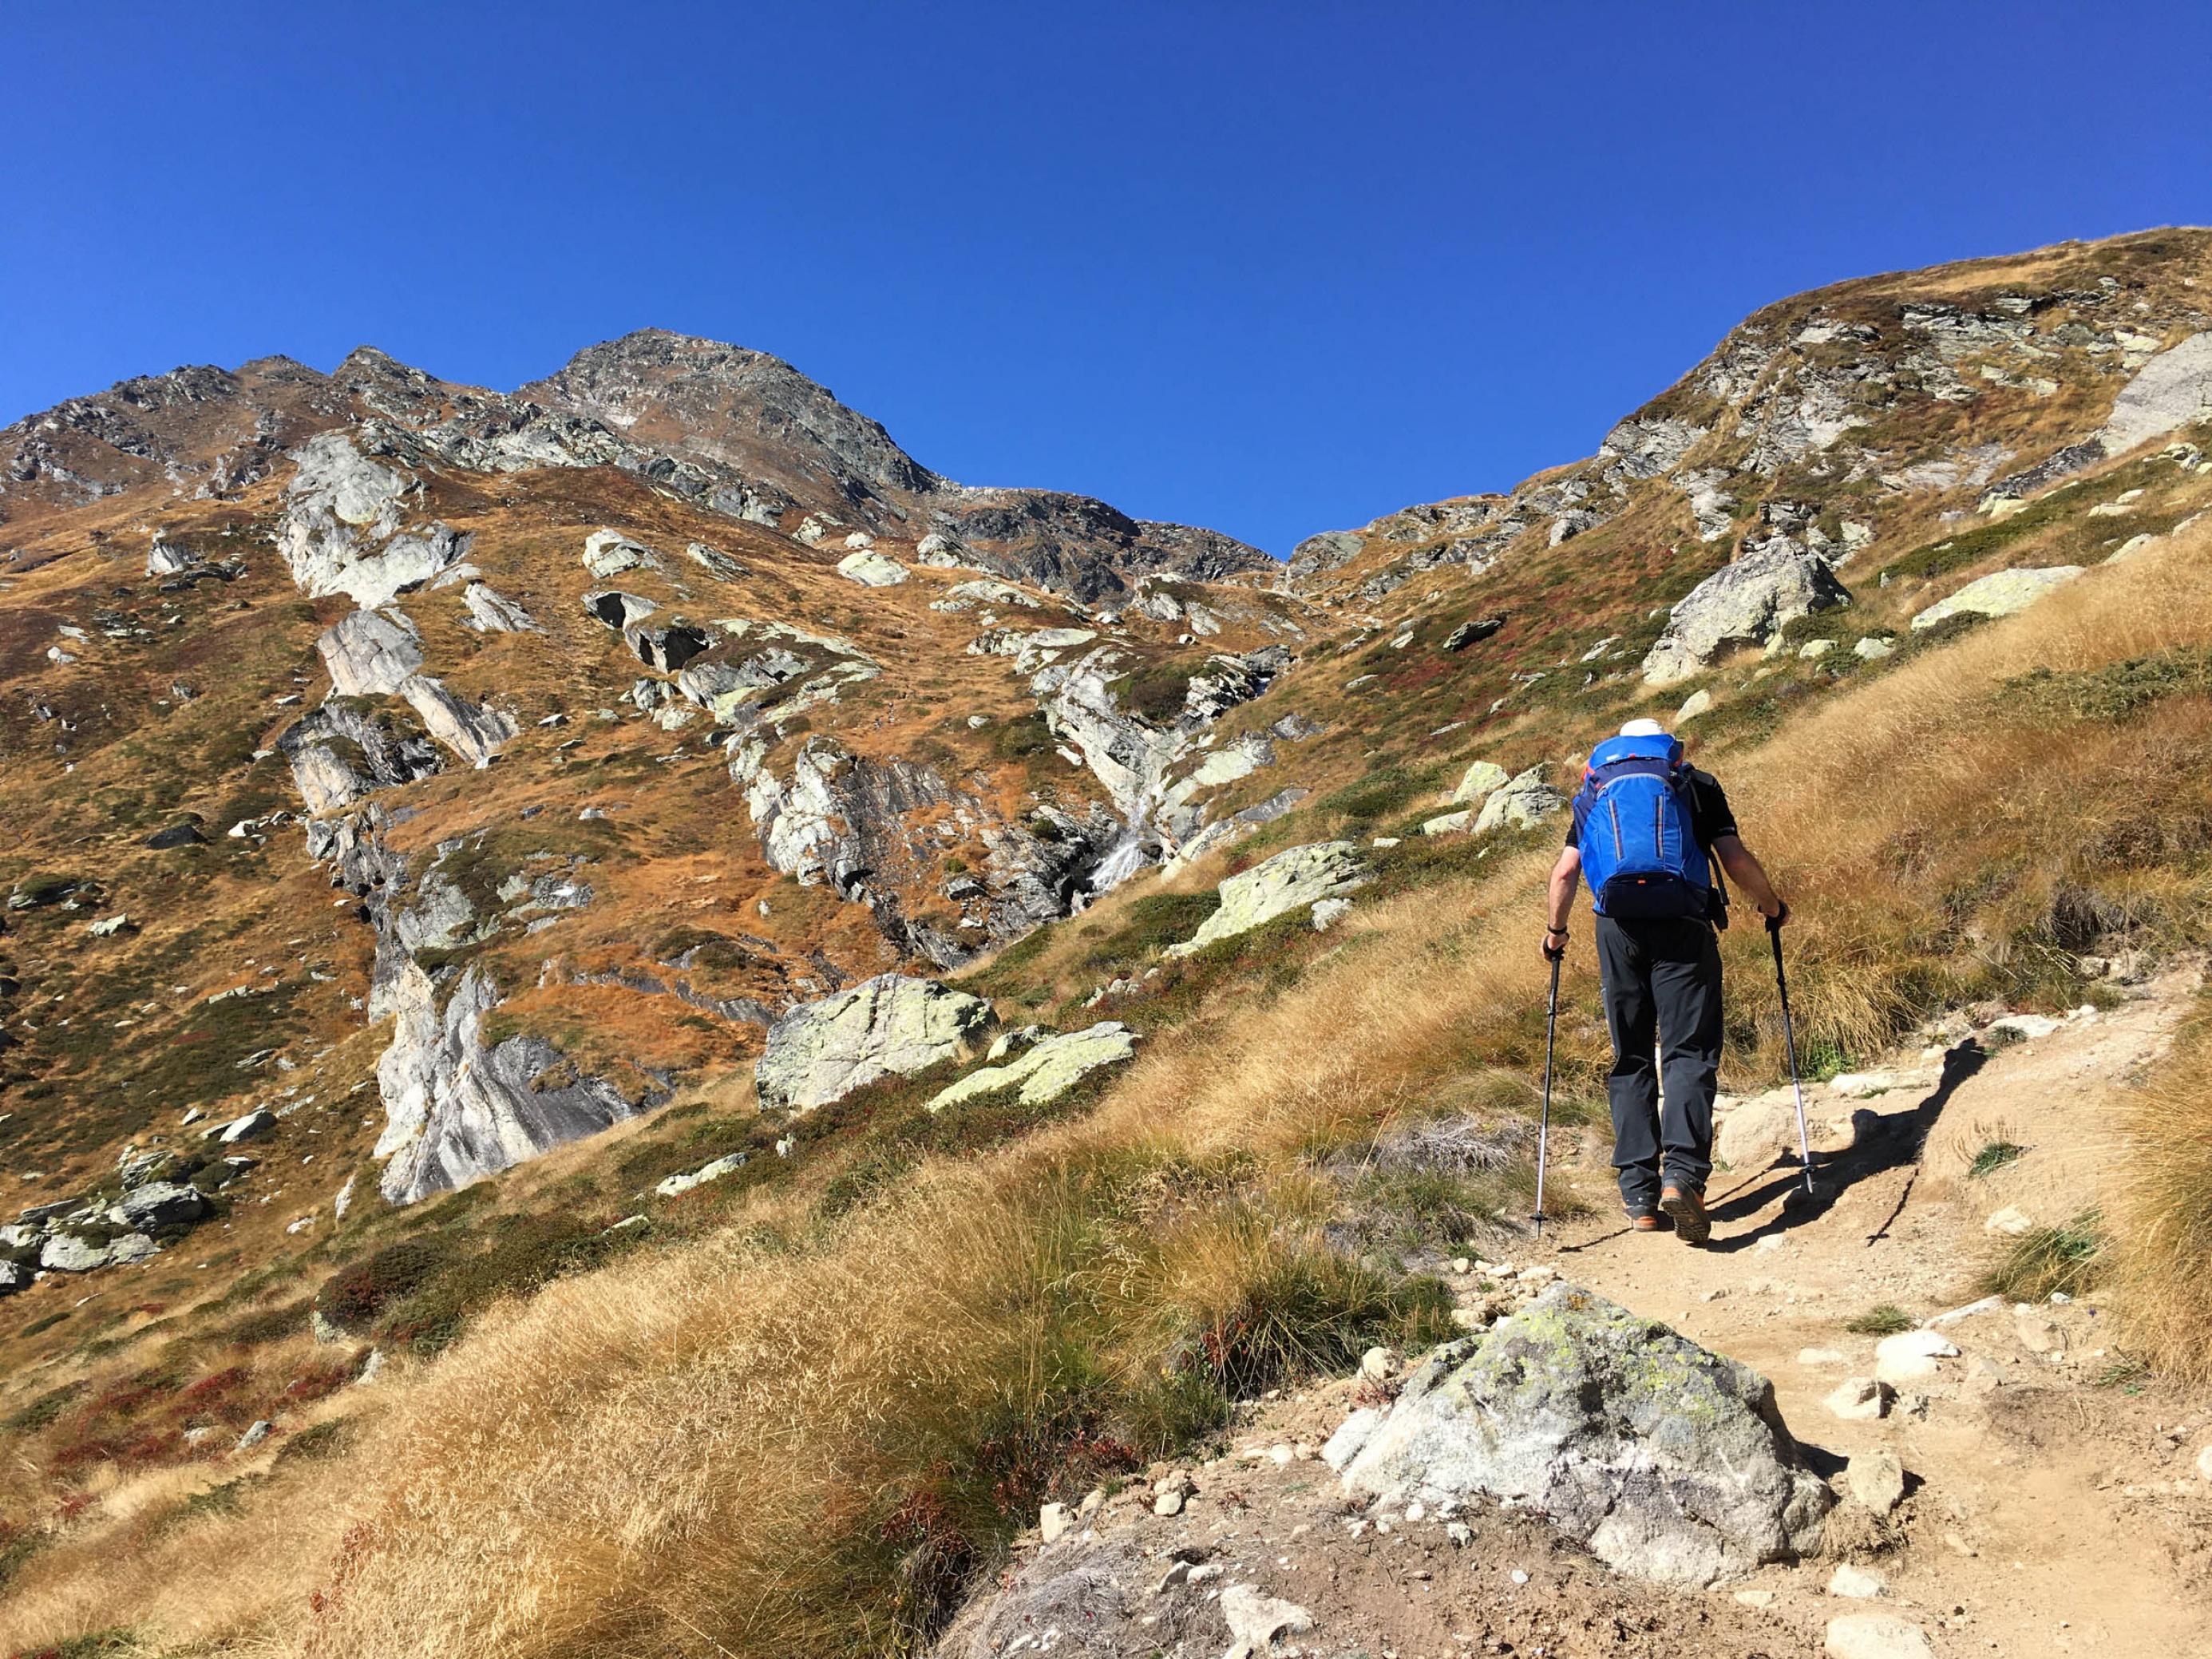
(1745, 603)
(1664, 1460)
(1525, 800)
(340, 529)
(475, 732)
(2001, 593)
(821, 1051)
(1047, 1068)
(370, 654)
(456, 1110)
(2172, 390)
(491, 612)
(1294, 879)
(343, 750)
(159, 1204)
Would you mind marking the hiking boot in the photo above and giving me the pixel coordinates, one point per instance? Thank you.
(1688, 1205)
(1649, 1221)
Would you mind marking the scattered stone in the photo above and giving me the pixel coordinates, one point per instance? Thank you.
(1697, 702)
(1857, 1582)
(1909, 1356)
(2010, 1222)
(1256, 1619)
(1450, 822)
(676, 1185)
(1168, 1503)
(1481, 779)
(1472, 633)
(160, 1203)
(1872, 648)
(1875, 1478)
(1053, 1522)
(1755, 1598)
(255, 1435)
(1381, 1364)
(1861, 1400)
(1327, 912)
(1820, 1359)
(1875, 1636)
(253, 1126)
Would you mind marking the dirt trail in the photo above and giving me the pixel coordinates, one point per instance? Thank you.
(2056, 1507)
(2049, 1509)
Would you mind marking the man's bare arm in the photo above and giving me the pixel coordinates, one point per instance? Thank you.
(1566, 876)
(1749, 875)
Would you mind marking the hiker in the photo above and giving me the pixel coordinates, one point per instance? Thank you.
(1648, 828)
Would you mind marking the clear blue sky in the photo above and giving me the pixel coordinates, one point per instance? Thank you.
(1271, 268)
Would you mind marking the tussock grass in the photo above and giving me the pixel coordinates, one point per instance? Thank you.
(2163, 1210)
(2066, 1259)
(737, 1448)
(1887, 1320)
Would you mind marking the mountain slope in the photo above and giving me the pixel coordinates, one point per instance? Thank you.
(459, 777)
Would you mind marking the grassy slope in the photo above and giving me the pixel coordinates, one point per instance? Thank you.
(795, 1436)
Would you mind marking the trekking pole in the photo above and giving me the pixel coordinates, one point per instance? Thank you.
(1790, 1042)
(1544, 1123)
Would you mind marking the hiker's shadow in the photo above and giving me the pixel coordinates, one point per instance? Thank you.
(1884, 1141)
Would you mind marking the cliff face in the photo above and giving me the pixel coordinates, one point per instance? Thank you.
(485, 663)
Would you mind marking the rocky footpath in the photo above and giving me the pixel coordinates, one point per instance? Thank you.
(1441, 1510)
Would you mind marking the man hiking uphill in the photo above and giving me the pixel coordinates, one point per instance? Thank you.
(1647, 829)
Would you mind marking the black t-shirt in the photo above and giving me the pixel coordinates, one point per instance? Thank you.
(1710, 816)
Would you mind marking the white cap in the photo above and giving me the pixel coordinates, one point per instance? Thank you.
(1643, 729)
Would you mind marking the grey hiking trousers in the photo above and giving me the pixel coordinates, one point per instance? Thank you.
(1662, 980)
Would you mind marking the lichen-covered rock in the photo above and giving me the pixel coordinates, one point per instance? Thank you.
(491, 612)
(821, 1051)
(72, 1253)
(1526, 800)
(2000, 594)
(1483, 779)
(1293, 878)
(1741, 604)
(872, 569)
(1049, 1067)
(1664, 1460)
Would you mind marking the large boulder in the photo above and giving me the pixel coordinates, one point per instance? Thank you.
(1998, 594)
(872, 569)
(1526, 801)
(1049, 1068)
(159, 1204)
(1665, 1460)
(1741, 604)
(1294, 879)
(821, 1051)
(1483, 780)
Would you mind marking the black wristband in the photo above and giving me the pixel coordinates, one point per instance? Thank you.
(1555, 930)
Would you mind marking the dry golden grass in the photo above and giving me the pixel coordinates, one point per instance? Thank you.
(722, 1451)
(2163, 1217)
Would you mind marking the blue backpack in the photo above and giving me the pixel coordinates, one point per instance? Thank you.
(1633, 825)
